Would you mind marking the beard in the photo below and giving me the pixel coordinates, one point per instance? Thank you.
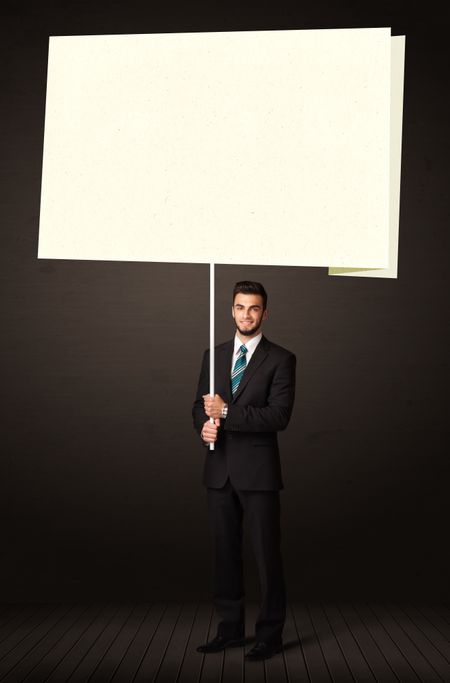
(248, 331)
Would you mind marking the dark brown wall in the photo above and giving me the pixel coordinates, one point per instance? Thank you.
(100, 487)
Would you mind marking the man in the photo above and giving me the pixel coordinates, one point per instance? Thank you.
(255, 384)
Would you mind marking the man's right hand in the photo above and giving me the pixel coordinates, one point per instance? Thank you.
(209, 431)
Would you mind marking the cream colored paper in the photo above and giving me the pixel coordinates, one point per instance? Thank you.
(258, 147)
(397, 77)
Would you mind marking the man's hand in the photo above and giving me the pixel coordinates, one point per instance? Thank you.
(209, 431)
(213, 405)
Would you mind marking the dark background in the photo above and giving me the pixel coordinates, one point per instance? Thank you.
(100, 486)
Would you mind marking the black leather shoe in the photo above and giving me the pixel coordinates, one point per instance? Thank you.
(220, 643)
(263, 651)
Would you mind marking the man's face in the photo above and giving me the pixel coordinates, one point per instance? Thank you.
(248, 313)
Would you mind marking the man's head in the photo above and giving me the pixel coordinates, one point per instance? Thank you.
(249, 307)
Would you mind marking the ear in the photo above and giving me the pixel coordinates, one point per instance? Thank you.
(265, 314)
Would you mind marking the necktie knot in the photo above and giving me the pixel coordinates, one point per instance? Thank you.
(243, 349)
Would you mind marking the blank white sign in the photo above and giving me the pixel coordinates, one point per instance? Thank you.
(252, 147)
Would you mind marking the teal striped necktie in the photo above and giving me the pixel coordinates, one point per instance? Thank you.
(238, 370)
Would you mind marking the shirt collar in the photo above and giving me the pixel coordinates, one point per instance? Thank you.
(250, 345)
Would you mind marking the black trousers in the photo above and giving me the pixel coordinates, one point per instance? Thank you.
(227, 507)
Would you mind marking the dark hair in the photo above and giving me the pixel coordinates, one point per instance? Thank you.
(248, 287)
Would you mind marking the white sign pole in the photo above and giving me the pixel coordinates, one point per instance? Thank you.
(211, 337)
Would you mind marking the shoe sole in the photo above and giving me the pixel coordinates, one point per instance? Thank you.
(233, 643)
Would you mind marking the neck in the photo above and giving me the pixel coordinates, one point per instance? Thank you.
(246, 338)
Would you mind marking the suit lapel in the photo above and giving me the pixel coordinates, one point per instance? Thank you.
(259, 355)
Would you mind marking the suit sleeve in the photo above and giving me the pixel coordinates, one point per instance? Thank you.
(198, 414)
(275, 415)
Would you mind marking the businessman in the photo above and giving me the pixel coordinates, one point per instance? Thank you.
(255, 385)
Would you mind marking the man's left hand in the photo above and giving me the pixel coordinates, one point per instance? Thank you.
(213, 405)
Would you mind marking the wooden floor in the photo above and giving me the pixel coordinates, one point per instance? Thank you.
(156, 642)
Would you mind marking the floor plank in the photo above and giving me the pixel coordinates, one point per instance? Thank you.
(312, 648)
(128, 666)
(422, 667)
(71, 661)
(418, 636)
(352, 652)
(368, 646)
(15, 618)
(115, 653)
(176, 649)
(47, 645)
(64, 645)
(193, 661)
(427, 626)
(433, 614)
(126, 643)
(155, 653)
(93, 657)
(21, 659)
(443, 610)
(391, 651)
(332, 652)
(293, 653)
(22, 630)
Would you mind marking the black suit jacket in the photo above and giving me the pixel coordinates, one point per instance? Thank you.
(246, 449)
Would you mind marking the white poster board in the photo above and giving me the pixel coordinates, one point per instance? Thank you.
(255, 147)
